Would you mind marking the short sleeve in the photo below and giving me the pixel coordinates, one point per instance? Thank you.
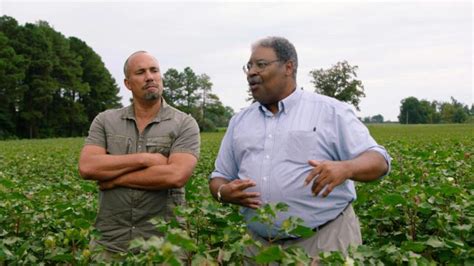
(226, 165)
(355, 138)
(188, 139)
(97, 134)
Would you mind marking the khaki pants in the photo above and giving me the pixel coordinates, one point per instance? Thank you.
(336, 235)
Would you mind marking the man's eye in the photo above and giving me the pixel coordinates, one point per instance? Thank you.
(261, 64)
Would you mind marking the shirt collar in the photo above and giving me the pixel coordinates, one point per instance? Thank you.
(163, 114)
(286, 104)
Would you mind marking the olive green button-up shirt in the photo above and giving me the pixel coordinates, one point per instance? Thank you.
(124, 213)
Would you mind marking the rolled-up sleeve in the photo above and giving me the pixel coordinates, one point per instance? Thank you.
(225, 164)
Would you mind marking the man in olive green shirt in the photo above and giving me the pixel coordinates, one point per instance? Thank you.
(141, 156)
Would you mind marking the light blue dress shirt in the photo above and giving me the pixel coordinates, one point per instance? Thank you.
(274, 149)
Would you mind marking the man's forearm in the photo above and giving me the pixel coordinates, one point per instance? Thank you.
(215, 183)
(104, 167)
(172, 175)
(368, 166)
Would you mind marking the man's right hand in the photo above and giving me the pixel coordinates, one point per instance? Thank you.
(233, 192)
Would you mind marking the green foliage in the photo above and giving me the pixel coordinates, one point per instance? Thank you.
(192, 94)
(422, 213)
(339, 82)
(413, 111)
(51, 85)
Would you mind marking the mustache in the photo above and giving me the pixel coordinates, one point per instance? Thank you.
(254, 80)
(151, 84)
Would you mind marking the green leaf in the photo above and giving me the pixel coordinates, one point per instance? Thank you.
(302, 231)
(11, 240)
(82, 223)
(413, 246)
(464, 227)
(63, 257)
(434, 242)
(454, 243)
(181, 241)
(269, 254)
(394, 199)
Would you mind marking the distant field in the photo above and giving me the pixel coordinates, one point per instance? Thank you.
(422, 212)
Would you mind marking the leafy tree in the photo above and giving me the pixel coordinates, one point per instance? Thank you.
(47, 82)
(192, 93)
(454, 112)
(377, 119)
(339, 82)
(412, 112)
(12, 73)
(100, 90)
(191, 87)
(173, 82)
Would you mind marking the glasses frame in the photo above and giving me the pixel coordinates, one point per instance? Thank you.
(264, 64)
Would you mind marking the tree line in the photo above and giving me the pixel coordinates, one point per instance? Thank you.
(54, 86)
(340, 81)
(414, 111)
(50, 85)
(192, 93)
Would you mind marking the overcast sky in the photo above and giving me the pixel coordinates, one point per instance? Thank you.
(402, 48)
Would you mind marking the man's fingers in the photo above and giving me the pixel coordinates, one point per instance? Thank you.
(319, 184)
(314, 163)
(244, 184)
(328, 190)
(312, 175)
(252, 194)
(252, 203)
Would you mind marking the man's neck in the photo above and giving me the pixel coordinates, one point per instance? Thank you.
(273, 107)
(146, 110)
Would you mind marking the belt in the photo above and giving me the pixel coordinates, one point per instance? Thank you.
(315, 229)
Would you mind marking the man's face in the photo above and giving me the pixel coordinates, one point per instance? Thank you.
(266, 77)
(144, 77)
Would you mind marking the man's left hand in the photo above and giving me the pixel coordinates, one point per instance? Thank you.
(327, 174)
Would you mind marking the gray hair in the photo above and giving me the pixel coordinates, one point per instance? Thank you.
(284, 49)
(125, 65)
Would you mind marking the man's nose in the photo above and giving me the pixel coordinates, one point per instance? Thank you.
(149, 75)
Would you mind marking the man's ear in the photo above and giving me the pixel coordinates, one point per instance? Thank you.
(125, 81)
(289, 67)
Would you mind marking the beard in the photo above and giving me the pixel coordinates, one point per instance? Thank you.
(150, 96)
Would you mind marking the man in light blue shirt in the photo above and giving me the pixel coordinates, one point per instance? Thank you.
(296, 147)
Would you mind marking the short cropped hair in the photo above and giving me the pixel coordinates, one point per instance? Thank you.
(284, 49)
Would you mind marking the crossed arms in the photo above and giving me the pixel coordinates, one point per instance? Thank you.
(149, 171)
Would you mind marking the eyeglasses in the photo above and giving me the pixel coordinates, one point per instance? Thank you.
(259, 65)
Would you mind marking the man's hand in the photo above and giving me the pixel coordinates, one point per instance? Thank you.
(327, 173)
(105, 185)
(233, 192)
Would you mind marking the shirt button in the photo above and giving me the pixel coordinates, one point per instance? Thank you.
(270, 136)
(267, 156)
(264, 178)
(133, 227)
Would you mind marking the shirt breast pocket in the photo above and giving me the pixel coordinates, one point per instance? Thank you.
(159, 145)
(117, 144)
(300, 146)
